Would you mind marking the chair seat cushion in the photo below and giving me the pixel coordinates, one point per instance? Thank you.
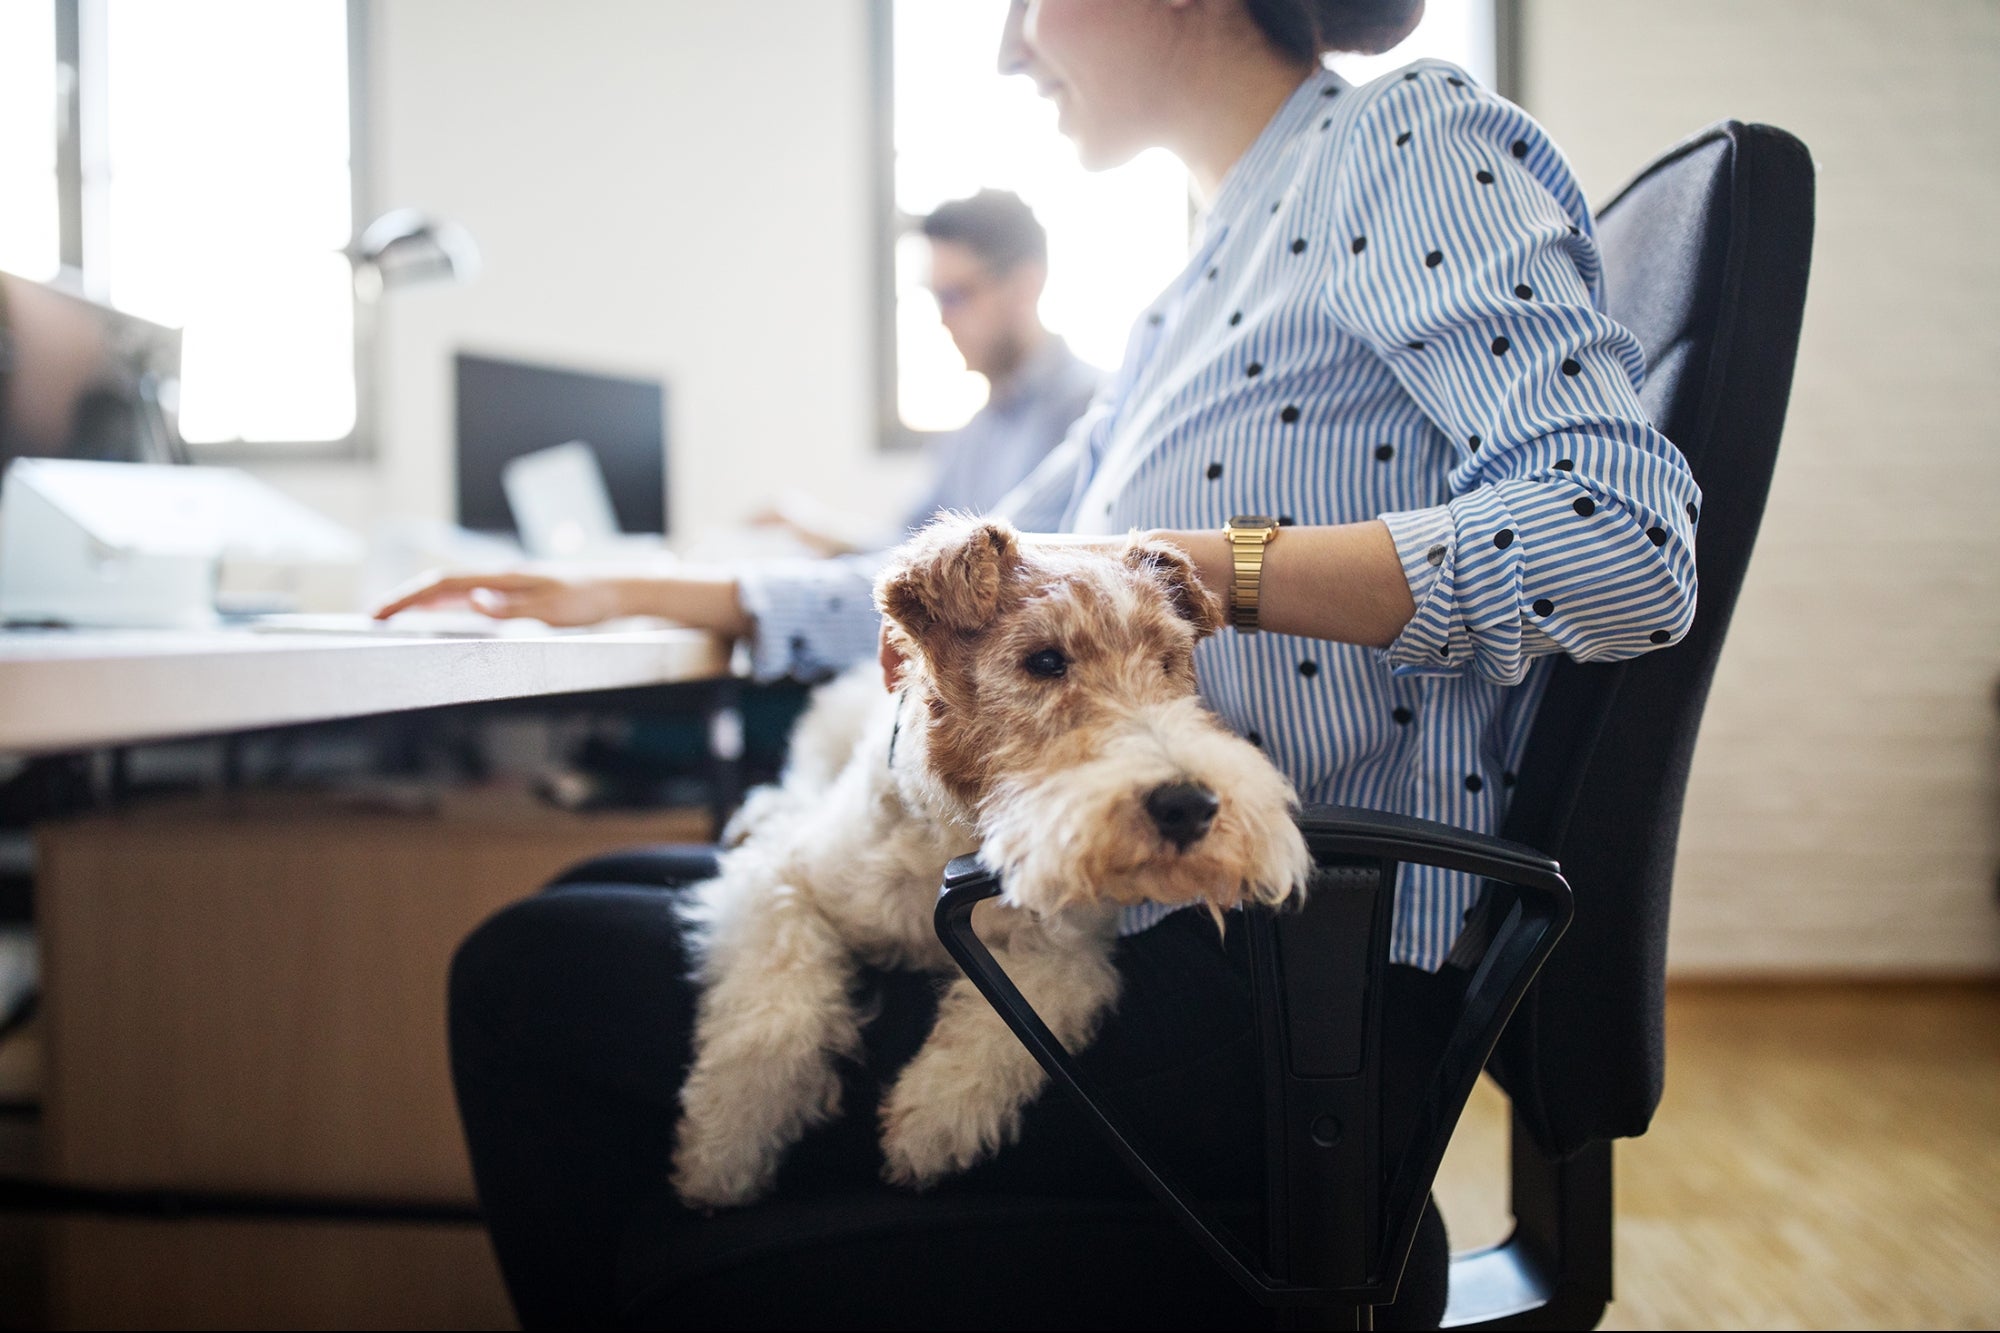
(960, 1261)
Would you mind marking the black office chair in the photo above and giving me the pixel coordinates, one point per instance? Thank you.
(1706, 256)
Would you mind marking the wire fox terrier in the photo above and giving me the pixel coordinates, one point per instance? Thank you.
(1044, 714)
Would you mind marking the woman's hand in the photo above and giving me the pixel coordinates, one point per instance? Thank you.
(699, 598)
(511, 594)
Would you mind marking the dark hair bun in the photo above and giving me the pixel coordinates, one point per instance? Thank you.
(1305, 29)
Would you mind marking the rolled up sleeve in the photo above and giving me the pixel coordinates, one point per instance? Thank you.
(812, 618)
(1467, 264)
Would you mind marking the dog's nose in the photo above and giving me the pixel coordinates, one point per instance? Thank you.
(1182, 811)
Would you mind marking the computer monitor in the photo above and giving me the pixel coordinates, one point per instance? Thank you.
(81, 380)
(510, 408)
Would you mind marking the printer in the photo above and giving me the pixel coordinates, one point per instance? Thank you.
(140, 545)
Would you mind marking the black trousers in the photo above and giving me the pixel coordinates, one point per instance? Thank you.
(570, 1018)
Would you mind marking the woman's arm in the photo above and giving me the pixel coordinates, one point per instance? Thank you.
(1463, 259)
(703, 598)
(1342, 583)
(804, 618)
(706, 598)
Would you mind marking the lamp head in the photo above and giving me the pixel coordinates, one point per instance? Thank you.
(405, 247)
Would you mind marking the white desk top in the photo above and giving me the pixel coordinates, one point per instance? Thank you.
(81, 689)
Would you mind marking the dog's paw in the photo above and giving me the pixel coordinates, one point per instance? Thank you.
(928, 1134)
(713, 1171)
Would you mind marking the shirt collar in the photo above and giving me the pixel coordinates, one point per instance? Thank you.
(1245, 181)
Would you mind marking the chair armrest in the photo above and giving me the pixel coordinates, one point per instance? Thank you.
(1521, 914)
(967, 883)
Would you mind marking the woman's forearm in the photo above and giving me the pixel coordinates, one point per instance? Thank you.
(706, 598)
(1343, 583)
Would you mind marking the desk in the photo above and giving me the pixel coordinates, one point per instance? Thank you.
(83, 689)
(248, 1002)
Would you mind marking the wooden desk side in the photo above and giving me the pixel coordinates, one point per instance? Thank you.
(250, 997)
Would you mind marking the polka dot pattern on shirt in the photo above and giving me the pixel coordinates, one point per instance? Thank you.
(1458, 288)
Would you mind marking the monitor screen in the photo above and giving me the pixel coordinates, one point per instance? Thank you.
(81, 380)
(509, 408)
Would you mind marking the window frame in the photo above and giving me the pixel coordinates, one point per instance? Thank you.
(889, 224)
(78, 83)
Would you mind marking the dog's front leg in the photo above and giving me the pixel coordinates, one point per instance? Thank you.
(777, 1015)
(961, 1098)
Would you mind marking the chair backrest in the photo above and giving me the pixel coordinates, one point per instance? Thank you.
(1705, 254)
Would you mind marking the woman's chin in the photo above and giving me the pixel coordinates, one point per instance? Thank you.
(1094, 151)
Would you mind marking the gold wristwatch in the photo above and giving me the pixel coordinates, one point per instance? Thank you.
(1247, 535)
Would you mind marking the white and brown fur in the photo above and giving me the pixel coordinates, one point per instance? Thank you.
(982, 748)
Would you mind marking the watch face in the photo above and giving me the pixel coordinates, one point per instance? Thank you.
(1253, 521)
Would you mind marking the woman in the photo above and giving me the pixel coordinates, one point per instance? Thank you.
(1387, 338)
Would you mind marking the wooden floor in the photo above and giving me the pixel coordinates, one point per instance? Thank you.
(1825, 1157)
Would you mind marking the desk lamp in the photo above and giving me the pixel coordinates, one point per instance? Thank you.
(405, 247)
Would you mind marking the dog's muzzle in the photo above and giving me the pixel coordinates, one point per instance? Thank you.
(1182, 811)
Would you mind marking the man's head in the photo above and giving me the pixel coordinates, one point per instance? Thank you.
(989, 261)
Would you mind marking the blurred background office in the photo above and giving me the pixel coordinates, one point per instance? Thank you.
(692, 222)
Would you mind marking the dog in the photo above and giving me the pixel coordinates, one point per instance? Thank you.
(1042, 711)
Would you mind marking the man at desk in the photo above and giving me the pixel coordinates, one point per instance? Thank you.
(808, 618)
(988, 265)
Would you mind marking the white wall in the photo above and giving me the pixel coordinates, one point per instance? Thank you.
(672, 188)
(1844, 813)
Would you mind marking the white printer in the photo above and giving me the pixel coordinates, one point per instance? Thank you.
(144, 545)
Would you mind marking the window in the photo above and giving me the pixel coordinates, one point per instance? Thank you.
(211, 188)
(29, 243)
(1115, 238)
(952, 126)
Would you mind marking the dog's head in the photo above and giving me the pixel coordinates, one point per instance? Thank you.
(1051, 693)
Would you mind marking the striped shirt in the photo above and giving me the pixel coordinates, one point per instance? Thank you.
(1393, 310)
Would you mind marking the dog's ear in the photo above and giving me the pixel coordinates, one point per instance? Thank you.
(1191, 598)
(949, 577)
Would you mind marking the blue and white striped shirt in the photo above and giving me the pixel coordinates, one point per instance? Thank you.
(1394, 311)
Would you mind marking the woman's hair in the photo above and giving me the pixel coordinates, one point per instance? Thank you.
(1305, 29)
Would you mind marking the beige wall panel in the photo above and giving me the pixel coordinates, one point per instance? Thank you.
(1844, 813)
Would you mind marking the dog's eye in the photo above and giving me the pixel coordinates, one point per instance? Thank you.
(1049, 663)
(1167, 663)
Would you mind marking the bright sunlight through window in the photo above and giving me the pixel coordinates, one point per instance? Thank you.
(1116, 238)
(227, 200)
(28, 216)
(215, 195)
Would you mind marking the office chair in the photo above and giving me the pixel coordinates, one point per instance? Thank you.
(1706, 255)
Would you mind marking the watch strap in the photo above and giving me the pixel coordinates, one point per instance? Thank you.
(1247, 539)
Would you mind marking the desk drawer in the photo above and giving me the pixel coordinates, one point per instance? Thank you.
(250, 998)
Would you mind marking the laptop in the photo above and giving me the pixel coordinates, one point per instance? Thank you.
(561, 506)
